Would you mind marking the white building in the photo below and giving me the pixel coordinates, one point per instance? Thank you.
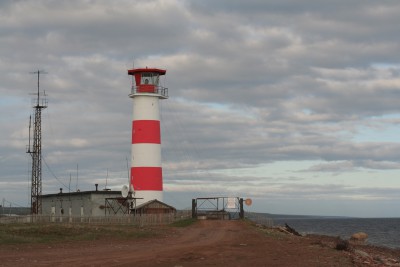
(82, 204)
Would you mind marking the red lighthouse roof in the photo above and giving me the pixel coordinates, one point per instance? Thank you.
(147, 81)
(140, 70)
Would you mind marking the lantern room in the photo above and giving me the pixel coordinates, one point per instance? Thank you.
(147, 81)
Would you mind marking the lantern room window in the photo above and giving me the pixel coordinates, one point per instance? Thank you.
(150, 78)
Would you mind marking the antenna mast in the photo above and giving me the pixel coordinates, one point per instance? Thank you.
(36, 150)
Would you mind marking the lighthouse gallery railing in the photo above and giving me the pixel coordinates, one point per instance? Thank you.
(152, 89)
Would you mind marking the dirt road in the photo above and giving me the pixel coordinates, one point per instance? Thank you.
(205, 243)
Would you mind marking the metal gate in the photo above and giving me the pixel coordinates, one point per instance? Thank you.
(219, 208)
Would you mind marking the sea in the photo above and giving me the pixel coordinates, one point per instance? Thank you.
(383, 232)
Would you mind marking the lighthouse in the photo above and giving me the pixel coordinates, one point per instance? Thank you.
(146, 172)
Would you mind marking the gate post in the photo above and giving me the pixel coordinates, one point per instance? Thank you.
(241, 212)
(194, 206)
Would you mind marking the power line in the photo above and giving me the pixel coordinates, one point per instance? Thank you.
(13, 203)
(52, 173)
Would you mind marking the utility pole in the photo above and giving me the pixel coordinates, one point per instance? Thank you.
(39, 103)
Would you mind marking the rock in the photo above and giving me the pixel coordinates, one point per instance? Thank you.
(291, 230)
(361, 253)
(359, 238)
(342, 245)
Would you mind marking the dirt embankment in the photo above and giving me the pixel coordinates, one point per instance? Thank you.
(205, 243)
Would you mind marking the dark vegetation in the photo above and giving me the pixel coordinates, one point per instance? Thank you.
(183, 223)
(48, 233)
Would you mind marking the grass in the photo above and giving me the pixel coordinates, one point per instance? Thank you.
(52, 233)
(268, 231)
(184, 223)
(20, 233)
(274, 234)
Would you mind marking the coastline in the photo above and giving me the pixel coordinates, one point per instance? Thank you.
(381, 231)
(360, 253)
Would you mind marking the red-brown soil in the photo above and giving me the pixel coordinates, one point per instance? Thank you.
(205, 243)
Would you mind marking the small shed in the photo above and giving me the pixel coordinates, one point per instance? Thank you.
(153, 207)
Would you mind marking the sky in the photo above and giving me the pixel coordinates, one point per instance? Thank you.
(292, 103)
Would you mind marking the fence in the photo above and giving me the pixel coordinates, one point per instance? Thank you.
(259, 218)
(139, 220)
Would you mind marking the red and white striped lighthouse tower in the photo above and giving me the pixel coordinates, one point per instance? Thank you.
(146, 172)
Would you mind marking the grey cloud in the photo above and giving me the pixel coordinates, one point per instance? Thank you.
(354, 165)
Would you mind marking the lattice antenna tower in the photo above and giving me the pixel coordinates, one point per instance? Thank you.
(38, 103)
